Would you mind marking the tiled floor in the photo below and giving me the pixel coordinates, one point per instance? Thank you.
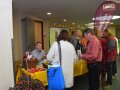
(81, 82)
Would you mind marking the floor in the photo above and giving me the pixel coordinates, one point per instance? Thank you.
(81, 82)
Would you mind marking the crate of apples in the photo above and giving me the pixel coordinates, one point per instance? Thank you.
(33, 70)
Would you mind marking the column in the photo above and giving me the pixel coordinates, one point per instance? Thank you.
(6, 36)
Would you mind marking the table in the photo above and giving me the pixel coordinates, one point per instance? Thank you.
(80, 67)
(40, 75)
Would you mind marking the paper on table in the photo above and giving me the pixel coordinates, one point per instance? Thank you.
(78, 53)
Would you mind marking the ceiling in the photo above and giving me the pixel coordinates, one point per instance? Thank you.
(80, 12)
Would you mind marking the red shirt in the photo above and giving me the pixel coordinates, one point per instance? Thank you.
(94, 51)
(84, 41)
(104, 48)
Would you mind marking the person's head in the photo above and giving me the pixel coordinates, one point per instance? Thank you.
(38, 46)
(77, 33)
(72, 33)
(63, 35)
(88, 33)
(107, 33)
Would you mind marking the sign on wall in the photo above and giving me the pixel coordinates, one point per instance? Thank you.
(54, 32)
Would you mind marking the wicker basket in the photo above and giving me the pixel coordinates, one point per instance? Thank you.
(32, 63)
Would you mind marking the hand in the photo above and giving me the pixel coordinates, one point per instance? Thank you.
(44, 57)
(80, 56)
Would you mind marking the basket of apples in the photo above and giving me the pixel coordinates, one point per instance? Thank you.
(33, 70)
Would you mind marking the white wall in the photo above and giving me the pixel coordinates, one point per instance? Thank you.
(17, 16)
(6, 34)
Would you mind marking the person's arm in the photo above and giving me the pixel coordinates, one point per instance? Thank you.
(43, 52)
(43, 55)
(33, 54)
(93, 53)
(73, 42)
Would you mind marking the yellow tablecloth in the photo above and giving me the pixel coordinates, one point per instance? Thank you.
(41, 75)
(80, 67)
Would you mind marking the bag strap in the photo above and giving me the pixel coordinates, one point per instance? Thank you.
(59, 50)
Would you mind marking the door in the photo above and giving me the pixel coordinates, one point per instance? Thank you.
(39, 32)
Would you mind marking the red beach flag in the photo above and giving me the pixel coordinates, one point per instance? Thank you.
(104, 14)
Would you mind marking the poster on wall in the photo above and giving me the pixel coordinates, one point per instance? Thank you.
(54, 32)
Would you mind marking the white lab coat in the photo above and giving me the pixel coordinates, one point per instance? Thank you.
(68, 57)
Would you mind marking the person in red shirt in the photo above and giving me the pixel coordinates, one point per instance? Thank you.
(111, 56)
(93, 56)
(103, 41)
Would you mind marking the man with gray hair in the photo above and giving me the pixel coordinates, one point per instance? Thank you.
(38, 53)
(75, 39)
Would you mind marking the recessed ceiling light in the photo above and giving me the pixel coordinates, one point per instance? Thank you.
(73, 23)
(111, 23)
(78, 26)
(49, 13)
(64, 20)
(116, 17)
(59, 25)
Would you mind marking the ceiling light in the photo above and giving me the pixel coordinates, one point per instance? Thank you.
(90, 27)
(106, 17)
(59, 25)
(73, 23)
(111, 23)
(49, 13)
(89, 24)
(78, 26)
(116, 17)
(64, 20)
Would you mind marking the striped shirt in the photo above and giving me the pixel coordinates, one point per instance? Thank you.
(94, 50)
